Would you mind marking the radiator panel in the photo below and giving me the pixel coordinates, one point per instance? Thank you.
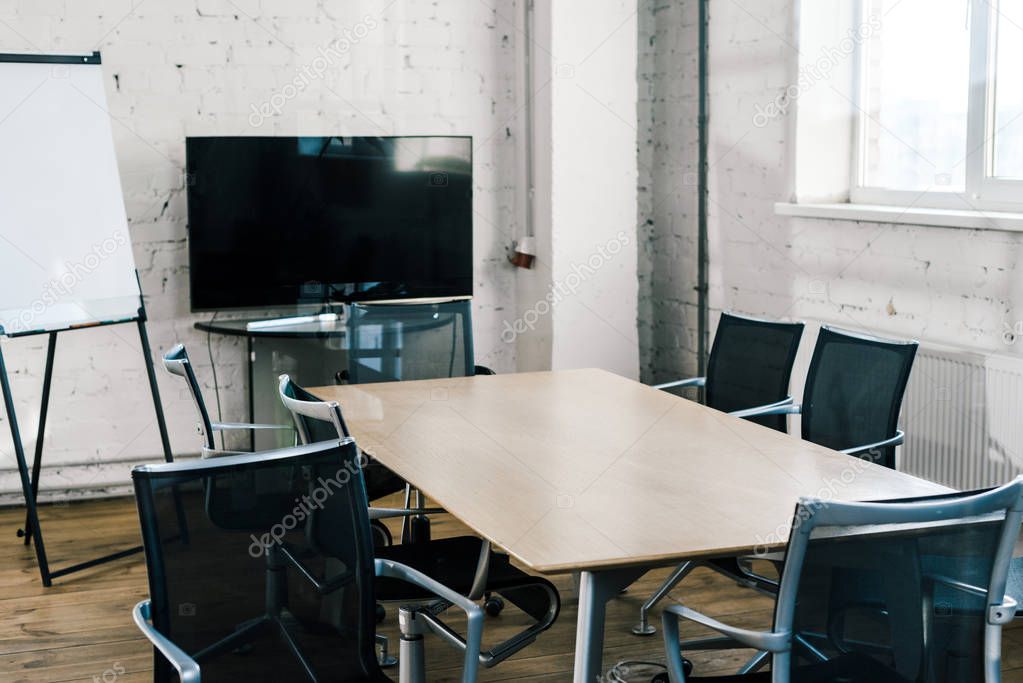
(962, 417)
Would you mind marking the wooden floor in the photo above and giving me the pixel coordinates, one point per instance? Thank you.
(81, 629)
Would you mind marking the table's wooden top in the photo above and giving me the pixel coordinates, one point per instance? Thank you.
(583, 469)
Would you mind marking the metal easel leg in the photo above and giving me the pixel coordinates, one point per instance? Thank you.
(37, 460)
(151, 374)
(26, 484)
(161, 422)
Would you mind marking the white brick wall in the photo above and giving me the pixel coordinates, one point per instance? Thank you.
(175, 68)
(667, 136)
(951, 286)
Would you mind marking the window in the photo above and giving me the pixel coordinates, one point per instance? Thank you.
(940, 105)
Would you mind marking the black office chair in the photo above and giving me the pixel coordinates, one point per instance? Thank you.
(853, 394)
(749, 366)
(393, 342)
(934, 571)
(851, 403)
(465, 563)
(176, 362)
(279, 584)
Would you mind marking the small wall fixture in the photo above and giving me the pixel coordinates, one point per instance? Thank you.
(524, 252)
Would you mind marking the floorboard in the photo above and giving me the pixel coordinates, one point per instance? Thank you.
(81, 630)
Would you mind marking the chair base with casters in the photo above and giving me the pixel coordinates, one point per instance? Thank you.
(446, 559)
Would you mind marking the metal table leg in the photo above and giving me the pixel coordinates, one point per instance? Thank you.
(595, 589)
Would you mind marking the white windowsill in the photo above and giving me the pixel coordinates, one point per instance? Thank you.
(945, 218)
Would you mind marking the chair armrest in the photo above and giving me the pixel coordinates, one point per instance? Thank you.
(997, 614)
(223, 426)
(388, 513)
(691, 382)
(782, 407)
(768, 641)
(897, 440)
(187, 668)
(473, 612)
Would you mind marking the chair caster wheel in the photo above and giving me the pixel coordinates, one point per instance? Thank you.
(493, 605)
(389, 661)
(381, 613)
(687, 669)
(642, 629)
(381, 534)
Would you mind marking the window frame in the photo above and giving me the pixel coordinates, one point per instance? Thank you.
(983, 191)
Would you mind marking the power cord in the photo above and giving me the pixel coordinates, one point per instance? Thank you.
(216, 385)
(618, 672)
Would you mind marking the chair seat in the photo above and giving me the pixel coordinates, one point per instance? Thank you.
(452, 561)
(850, 668)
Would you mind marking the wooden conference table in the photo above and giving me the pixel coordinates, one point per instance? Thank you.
(585, 471)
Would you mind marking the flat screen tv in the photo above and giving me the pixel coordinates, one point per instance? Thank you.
(280, 222)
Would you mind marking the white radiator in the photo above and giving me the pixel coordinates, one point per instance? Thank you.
(963, 417)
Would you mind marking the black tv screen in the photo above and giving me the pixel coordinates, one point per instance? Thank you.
(277, 221)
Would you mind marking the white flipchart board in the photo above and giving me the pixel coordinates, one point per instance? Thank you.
(65, 254)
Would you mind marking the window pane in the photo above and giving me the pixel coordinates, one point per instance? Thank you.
(1008, 132)
(917, 95)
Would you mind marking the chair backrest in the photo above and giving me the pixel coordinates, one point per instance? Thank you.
(315, 420)
(854, 390)
(215, 576)
(908, 590)
(318, 420)
(392, 342)
(750, 365)
(177, 363)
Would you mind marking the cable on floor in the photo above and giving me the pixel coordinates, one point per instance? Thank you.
(618, 672)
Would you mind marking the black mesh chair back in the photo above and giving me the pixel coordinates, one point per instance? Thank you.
(854, 391)
(907, 591)
(388, 343)
(263, 587)
(750, 365)
(318, 420)
(176, 362)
